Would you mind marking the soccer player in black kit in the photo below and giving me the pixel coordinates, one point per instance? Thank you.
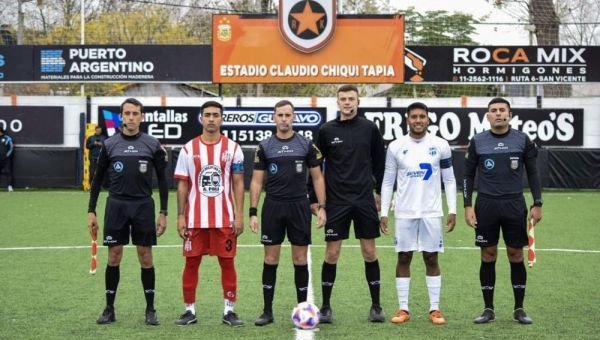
(285, 159)
(499, 156)
(127, 158)
(354, 154)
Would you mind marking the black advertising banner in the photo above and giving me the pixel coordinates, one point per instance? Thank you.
(16, 63)
(118, 63)
(546, 127)
(248, 126)
(502, 64)
(33, 124)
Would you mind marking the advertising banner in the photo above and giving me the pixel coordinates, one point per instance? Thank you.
(122, 63)
(248, 126)
(304, 47)
(546, 127)
(33, 124)
(16, 63)
(502, 64)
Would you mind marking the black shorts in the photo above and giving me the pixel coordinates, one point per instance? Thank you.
(364, 216)
(125, 217)
(277, 218)
(508, 214)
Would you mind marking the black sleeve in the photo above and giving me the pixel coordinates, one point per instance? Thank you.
(160, 165)
(378, 157)
(313, 157)
(532, 173)
(321, 142)
(259, 158)
(90, 142)
(101, 168)
(470, 171)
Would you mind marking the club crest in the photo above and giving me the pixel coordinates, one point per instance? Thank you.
(307, 25)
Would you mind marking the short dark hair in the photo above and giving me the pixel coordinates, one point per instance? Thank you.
(283, 102)
(499, 100)
(416, 105)
(132, 101)
(211, 103)
(347, 88)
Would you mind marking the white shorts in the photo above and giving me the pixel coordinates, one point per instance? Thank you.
(419, 234)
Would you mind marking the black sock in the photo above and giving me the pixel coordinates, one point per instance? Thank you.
(301, 281)
(327, 280)
(518, 278)
(111, 282)
(372, 274)
(487, 278)
(148, 279)
(269, 277)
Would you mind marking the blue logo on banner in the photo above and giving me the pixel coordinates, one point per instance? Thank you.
(52, 61)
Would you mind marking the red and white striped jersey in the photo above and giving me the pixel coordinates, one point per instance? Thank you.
(209, 170)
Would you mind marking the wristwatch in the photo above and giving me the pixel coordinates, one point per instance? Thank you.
(164, 212)
(538, 203)
(321, 206)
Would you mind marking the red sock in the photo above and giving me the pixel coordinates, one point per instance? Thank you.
(228, 278)
(190, 278)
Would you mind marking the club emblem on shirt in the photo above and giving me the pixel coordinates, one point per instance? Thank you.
(273, 168)
(143, 166)
(514, 163)
(432, 151)
(118, 166)
(488, 164)
(299, 166)
(210, 181)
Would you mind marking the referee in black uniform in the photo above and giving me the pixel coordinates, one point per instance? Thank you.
(127, 158)
(499, 156)
(354, 154)
(286, 159)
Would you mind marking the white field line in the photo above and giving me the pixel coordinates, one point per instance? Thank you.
(557, 250)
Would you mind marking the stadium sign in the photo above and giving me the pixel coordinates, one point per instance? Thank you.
(33, 124)
(248, 126)
(502, 64)
(365, 49)
(546, 127)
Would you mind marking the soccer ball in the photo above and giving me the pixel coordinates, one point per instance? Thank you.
(305, 315)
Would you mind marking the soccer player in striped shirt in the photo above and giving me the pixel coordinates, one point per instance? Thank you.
(210, 200)
(418, 162)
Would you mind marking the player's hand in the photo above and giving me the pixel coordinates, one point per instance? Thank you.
(451, 222)
(314, 208)
(254, 224)
(182, 227)
(161, 225)
(321, 218)
(238, 227)
(470, 217)
(378, 202)
(92, 223)
(383, 225)
(535, 214)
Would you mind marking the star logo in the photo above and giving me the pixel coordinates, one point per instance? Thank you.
(307, 25)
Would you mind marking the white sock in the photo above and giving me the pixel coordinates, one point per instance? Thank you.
(402, 286)
(228, 306)
(191, 307)
(434, 286)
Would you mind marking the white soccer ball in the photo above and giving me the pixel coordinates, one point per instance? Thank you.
(305, 315)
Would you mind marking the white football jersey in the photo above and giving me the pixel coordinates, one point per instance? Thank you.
(418, 166)
(209, 168)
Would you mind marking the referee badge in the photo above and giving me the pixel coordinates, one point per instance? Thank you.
(514, 164)
(143, 167)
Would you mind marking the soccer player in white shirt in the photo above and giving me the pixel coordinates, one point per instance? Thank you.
(418, 162)
(210, 200)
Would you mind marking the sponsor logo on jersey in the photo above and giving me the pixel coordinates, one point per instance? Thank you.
(210, 181)
(336, 140)
(501, 146)
(130, 149)
(489, 164)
